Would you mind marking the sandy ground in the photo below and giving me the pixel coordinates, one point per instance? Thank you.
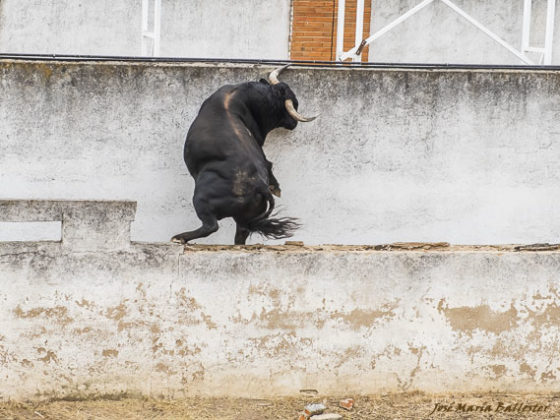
(392, 406)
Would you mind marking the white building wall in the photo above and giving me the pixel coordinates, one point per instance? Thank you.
(100, 27)
(198, 28)
(226, 28)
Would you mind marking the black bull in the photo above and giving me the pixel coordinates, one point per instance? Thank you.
(223, 152)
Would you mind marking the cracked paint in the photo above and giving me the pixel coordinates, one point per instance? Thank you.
(467, 319)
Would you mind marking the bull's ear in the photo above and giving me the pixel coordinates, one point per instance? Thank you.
(264, 81)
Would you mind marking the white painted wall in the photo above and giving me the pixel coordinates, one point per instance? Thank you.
(96, 314)
(459, 156)
(436, 34)
(198, 28)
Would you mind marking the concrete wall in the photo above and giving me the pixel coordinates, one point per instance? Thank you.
(436, 34)
(94, 314)
(415, 155)
(224, 29)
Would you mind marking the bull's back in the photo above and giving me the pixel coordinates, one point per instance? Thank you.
(207, 136)
(218, 138)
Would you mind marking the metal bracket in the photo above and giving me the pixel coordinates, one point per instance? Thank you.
(361, 47)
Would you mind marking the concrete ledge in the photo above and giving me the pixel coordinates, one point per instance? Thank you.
(86, 225)
(394, 247)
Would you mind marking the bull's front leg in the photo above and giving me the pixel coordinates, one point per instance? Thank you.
(273, 185)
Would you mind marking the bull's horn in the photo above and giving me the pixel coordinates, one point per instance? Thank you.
(294, 114)
(273, 77)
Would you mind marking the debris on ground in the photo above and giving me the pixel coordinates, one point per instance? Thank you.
(310, 392)
(414, 246)
(313, 409)
(347, 404)
(300, 247)
(402, 406)
(328, 416)
(538, 247)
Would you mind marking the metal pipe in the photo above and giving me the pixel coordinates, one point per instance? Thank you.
(549, 37)
(340, 29)
(157, 27)
(144, 46)
(359, 27)
(526, 34)
(155, 33)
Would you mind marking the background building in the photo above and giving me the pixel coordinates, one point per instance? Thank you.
(286, 29)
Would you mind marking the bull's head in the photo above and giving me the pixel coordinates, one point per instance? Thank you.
(290, 101)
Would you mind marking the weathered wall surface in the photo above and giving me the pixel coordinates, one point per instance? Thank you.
(95, 314)
(217, 29)
(437, 34)
(397, 155)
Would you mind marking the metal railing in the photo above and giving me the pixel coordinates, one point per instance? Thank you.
(151, 27)
(355, 52)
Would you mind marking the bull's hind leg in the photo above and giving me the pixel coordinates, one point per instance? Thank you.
(201, 232)
(273, 185)
(209, 225)
(256, 207)
(205, 213)
(241, 234)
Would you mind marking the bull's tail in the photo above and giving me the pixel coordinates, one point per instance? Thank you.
(272, 228)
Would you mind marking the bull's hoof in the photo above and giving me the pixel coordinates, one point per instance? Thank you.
(178, 240)
(275, 190)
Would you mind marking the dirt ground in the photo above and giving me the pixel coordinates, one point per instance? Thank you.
(391, 406)
(298, 246)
